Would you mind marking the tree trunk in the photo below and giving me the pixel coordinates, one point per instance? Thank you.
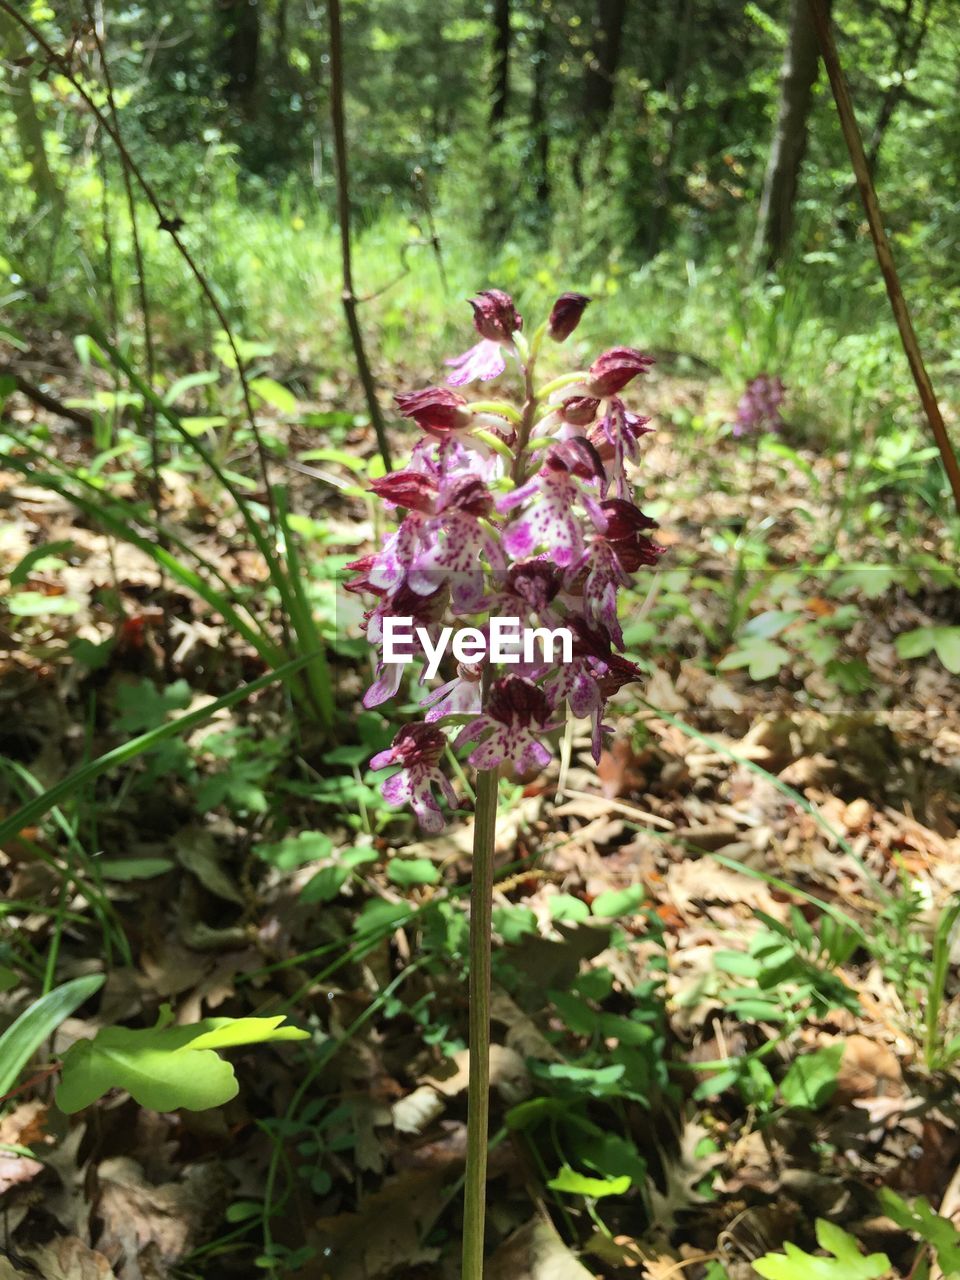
(781, 180)
(501, 64)
(539, 127)
(601, 71)
(27, 122)
(240, 51)
(600, 74)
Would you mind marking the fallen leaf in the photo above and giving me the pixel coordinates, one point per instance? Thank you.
(535, 1252)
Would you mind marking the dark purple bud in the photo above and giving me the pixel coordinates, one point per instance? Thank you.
(495, 316)
(612, 370)
(624, 519)
(514, 700)
(409, 489)
(579, 411)
(437, 410)
(565, 316)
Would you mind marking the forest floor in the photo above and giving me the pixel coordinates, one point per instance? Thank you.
(714, 953)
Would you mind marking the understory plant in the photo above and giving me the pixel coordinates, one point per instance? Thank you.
(509, 511)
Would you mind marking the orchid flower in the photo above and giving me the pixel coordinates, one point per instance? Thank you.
(508, 511)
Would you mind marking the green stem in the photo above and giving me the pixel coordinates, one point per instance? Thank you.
(478, 1095)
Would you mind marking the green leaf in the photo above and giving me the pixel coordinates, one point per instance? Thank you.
(408, 872)
(618, 902)
(325, 885)
(763, 658)
(769, 624)
(49, 550)
(576, 1184)
(947, 645)
(294, 851)
(916, 644)
(513, 923)
(812, 1078)
(920, 1218)
(133, 868)
(24, 1037)
(274, 394)
(35, 604)
(564, 906)
(163, 1067)
(847, 1263)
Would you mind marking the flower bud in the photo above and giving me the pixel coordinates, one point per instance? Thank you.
(407, 489)
(612, 370)
(579, 411)
(566, 314)
(436, 410)
(495, 316)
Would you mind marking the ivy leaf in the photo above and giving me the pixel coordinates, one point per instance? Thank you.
(847, 1263)
(163, 1067)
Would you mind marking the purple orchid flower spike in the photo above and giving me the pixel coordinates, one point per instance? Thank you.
(759, 407)
(510, 514)
(496, 320)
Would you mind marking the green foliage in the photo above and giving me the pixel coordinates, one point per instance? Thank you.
(944, 641)
(811, 1079)
(164, 1067)
(27, 1033)
(920, 1219)
(847, 1262)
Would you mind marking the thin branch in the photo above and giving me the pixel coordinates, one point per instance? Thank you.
(348, 296)
(45, 401)
(165, 223)
(149, 418)
(868, 195)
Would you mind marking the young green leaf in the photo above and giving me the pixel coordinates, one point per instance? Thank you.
(576, 1184)
(163, 1067)
(847, 1263)
(812, 1078)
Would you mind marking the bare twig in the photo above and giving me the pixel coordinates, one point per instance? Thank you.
(868, 195)
(348, 297)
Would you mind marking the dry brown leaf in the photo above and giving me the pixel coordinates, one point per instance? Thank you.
(535, 1252)
(508, 1074)
(142, 1219)
(385, 1233)
(70, 1259)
